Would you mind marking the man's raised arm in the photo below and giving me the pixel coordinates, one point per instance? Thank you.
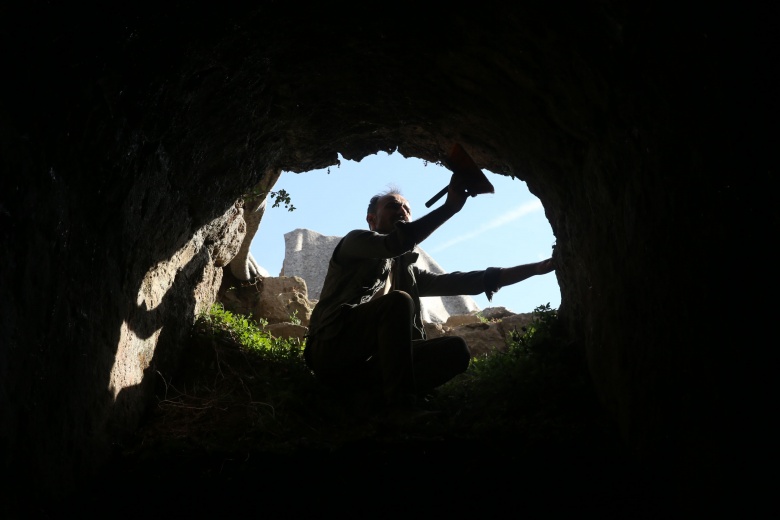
(423, 227)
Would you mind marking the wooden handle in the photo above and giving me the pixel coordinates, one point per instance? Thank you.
(436, 197)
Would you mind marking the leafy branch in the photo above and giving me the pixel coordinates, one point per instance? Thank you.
(282, 197)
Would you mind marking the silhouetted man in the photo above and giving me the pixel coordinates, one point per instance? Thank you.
(366, 332)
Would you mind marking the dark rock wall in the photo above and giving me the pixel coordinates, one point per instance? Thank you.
(642, 130)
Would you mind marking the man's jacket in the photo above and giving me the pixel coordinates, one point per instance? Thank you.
(359, 268)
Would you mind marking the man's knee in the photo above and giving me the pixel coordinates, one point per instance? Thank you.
(459, 352)
(400, 301)
(451, 353)
(400, 298)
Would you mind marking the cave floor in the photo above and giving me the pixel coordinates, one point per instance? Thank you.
(392, 474)
(220, 449)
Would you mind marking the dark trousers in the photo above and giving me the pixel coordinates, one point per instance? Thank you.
(375, 351)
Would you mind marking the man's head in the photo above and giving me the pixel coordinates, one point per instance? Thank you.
(385, 209)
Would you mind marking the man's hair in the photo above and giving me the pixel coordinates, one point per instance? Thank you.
(391, 190)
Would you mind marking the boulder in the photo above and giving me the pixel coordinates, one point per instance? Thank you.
(277, 300)
(288, 331)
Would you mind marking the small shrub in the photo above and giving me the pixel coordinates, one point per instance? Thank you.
(525, 388)
(252, 335)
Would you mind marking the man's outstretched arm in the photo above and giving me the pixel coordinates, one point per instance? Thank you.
(518, 273)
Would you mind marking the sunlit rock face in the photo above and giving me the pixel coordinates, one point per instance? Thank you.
(126, 144)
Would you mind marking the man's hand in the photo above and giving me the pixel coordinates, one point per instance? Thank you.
(456, 194)
(545, 266)
(518, 273)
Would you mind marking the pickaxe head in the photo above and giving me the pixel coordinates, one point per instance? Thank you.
(460, 163)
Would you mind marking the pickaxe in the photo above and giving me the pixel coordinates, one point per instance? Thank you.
(461, 164)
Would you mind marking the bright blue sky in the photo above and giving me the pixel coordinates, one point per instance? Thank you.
(498, 229)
